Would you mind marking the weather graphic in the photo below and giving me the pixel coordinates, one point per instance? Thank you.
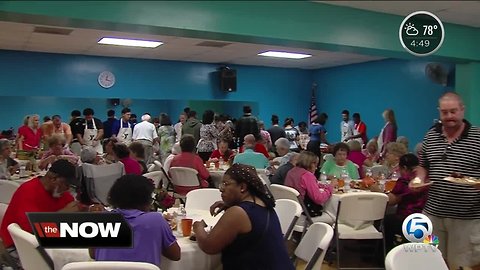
(432, 240)
(410, 29)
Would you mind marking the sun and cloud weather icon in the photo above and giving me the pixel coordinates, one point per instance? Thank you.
(410, 29)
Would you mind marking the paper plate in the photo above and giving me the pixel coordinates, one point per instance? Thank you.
(463, 180)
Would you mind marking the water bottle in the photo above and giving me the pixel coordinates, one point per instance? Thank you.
(323, 177)
(394, 176)
(369, 173)
(182, 213)
(381, 181)
(346, 179)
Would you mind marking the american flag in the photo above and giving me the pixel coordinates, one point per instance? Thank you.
(313, 105)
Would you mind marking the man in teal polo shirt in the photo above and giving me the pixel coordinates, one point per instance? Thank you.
(250, 157)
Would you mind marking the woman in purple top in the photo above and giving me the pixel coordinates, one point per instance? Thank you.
(152, 236)
(123, 155)
(407, 201)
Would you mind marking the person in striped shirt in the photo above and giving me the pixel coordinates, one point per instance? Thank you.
(453, 146)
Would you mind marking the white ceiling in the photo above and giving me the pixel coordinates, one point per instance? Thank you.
(20, 36)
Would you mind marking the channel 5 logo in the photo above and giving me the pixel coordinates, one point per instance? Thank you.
(80, 230)
(417, 227)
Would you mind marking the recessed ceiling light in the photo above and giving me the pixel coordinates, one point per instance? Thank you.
(285, 55)
(130, 42)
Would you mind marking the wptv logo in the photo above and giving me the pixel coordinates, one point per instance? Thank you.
(81, 230)
(418, 228)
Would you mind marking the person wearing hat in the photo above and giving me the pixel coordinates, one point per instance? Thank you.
(41, 194)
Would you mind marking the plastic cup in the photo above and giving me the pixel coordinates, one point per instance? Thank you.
(341, 183)
(389, 185)
(187, 226)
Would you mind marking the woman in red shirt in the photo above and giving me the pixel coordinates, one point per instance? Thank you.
(30, 135)
(222, 152)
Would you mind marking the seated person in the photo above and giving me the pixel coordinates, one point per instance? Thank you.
(131, 195)
(222, 152)
(89, 155)
(138, 153)
(394, 151)
(248, 234)
(123, 155)
(56, 150)
(281, 173)
(334, 167)
(188, 158)
(356, 156)
(282, 146)
(407, 201)
(372, 153)
(48, 193)
(313, 193)
(109, 156)
(175, 151)
(257, 145)
(250, 157)
(8, 166)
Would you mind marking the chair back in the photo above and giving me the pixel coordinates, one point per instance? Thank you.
(288, 213)
(156, 177)
(183, 176)
(3, 209)
(100, 178)
(415, 256)
(362, 206)
(159, 167)
(202, 198)
(7, 188)
(314, 245)
(110, 265)
(262, 174)
(284, 192)
(32, 256)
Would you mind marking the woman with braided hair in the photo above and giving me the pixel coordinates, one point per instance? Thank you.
(248, 234)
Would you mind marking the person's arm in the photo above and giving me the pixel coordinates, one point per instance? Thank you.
(20, 142)
(116, 127)
(202, 171)
(234, 221)
(353, 170)
(317, 194)
(68, 133)
(172, 252)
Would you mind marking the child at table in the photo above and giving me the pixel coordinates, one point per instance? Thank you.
(152, 236)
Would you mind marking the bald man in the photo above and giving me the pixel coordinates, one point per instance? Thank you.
(256, 145)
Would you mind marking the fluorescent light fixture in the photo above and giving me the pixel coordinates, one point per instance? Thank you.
(285, 55)
(130, 42)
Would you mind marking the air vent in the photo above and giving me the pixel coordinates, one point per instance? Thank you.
(216, 44)
(51, 30)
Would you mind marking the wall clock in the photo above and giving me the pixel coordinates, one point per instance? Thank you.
(106, 79)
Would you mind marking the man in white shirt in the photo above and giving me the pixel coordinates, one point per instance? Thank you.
(146, 134)
(346, 126)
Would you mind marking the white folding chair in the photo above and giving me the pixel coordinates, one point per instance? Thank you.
(166, 181)
(262, 174)
(284, 192)
(32, 256)
(313, 246)
(202, 198)
(110, 265)
(7, 188)
(183, 177)
(288, 212)
(156, 177)
(3, 209)
(415, 256)
(355, 216)
(100, 178)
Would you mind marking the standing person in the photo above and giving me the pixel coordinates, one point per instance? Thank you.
(91, 131)
(389, 131)
(453, 146)
(247, 124)
(133, 119)
(56, 126)
(122, 129)
(303, 138)
(178, 126)
(346, 126)
(192, 126)
(292, 134)
(317, 134)
(166, 134)
(76, 127)
(107, 125)
(29, 136)
(208, 136)
(359, 131)
(146, 134)
(276, 132)
(266, 139)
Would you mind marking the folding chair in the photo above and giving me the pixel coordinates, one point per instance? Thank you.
(202, 198)
(32, 255)
(415, 256)
(156, 177)
(314, 245)
(183, 180)
(158, 166)
(100, 178)
(288, 212)
(355, 216)
(110, 265)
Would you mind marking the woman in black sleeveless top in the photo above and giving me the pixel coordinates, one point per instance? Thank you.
(248, 234)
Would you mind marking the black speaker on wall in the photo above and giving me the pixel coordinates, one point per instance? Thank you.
(228, 79)
(114, 101)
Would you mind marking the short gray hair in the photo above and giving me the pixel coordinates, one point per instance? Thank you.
(88, 155)
(3, 144)
(283, 143)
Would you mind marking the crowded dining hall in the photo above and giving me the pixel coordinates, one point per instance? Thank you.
(241, 135)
